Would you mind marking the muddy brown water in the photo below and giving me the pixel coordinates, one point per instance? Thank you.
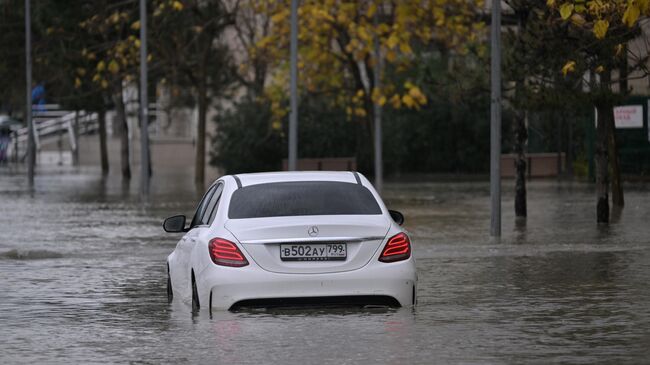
(82, 280)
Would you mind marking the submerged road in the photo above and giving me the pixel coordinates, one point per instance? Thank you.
(82, 280)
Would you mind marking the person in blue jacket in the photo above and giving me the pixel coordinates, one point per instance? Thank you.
(38, 97)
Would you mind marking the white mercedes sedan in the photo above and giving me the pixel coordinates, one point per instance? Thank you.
(291, 239)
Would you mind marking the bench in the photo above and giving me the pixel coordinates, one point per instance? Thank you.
(538, 164)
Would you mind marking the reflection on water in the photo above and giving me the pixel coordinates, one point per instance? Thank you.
(82, 279)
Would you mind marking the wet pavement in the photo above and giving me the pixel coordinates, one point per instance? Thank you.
(82, 280)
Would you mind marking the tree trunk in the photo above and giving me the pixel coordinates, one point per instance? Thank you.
(558, 130)
(569, 148)
(623, 72)
(521, 135)
(614, 163)
(103, 151)
(120, 111)
(614, 160)
(365, 137)
(605, 116)
(199, 168)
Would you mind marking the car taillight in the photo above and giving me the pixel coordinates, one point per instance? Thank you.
(397, 248)
(226, 253)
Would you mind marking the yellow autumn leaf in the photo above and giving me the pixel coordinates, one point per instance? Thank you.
(405, 48)
(363, 34)
(177, 5)
(644, 5)
(77, 83)
(135, 25)
(569, 67)
(279, 17)
(371, 10)
(618, 49)
(378, 97)
(550, 3)
(392, 41)
(408, 100)
(417, 94)
(113, 67)
(578, 19)
(396, 101)
(566, 10)
(115, 18)
(631, 14)
(101, 66)
(600, 28)
(342, 18)
(391, 56)
(600, 69)
(104, 84)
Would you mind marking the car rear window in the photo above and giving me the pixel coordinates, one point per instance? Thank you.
(302, 198)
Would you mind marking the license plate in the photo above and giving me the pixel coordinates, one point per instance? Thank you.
(313, 252)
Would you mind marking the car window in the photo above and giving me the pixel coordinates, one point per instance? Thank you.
(211, 209)
(202, 206)
(302, 198)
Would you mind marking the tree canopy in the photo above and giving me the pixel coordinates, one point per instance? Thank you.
(337, 49)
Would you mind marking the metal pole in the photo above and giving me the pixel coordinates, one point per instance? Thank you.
(495, 122)
(379, 177)
(31, 150)
(74, 139)
(144, 103)
(293, 89)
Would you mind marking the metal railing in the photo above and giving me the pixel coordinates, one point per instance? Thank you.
(52, 122)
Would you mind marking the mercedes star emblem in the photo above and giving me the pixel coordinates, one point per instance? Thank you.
(313, 231)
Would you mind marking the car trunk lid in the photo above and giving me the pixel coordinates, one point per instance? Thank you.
(262, 238)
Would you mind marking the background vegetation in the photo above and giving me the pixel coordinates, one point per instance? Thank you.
(424, 64)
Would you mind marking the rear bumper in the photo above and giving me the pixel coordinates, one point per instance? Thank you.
(224, 287)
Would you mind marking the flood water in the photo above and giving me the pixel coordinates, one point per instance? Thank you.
(82, 280)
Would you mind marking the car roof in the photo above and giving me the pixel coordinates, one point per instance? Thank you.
(285, 176)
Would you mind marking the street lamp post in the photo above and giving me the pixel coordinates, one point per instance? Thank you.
(293, 90)
(144, 103)
(31, 147)
(495, 122)
(379, 174)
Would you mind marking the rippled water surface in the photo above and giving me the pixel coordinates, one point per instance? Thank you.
(82, 280)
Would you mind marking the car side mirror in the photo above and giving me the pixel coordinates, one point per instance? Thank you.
(175, 224)
(397, 216)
